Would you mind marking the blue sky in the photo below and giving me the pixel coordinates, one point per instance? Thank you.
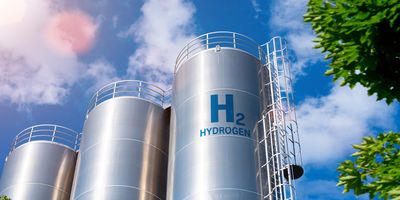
(47, 80)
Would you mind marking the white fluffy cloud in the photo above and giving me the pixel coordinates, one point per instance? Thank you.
(287, 17)
(320, 189)
(329, 125)
(257, 8)
(31, 70)
(101, 73)
(26, 81)
(161, 32)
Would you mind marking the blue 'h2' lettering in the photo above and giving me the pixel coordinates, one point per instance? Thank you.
(228, 107)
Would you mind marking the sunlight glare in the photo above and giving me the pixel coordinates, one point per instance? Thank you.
(12, 11)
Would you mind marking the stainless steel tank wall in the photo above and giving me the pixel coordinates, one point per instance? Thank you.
(124, 151)
(39, 170)
(215, 106)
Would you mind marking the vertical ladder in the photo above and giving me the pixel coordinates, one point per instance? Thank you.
(278, 149)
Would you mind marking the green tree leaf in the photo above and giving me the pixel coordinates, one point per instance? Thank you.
(3, 197)
(375, 169)
(362, 41)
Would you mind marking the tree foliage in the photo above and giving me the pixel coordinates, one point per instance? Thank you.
(362, 40)
(4, 197)
(376, 169)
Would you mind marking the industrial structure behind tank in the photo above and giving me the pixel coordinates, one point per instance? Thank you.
(227, 130)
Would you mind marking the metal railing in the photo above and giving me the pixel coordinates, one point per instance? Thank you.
(133, 88)
(217, 40)
(48, 132)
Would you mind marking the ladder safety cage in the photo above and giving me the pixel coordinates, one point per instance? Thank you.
(278, 150)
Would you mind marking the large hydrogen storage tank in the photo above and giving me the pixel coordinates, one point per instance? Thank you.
(41, 164)
(215, 106)
(124, 149)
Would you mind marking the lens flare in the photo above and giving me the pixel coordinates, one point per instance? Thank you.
(71, 32)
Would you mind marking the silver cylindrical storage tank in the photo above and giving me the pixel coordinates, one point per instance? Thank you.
(215, 106)
(41, 164)
(124, 148)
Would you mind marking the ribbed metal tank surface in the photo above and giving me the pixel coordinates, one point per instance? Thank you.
(41, 164)
(124, 149)
(215, 106)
